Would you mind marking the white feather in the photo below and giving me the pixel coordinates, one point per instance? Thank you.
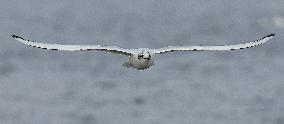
(113, 49)
(224, 47)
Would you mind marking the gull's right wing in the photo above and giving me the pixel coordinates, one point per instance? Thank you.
(112, 49)
(203, 48)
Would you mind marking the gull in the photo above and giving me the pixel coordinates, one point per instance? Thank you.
(140, 58)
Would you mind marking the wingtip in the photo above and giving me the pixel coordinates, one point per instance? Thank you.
(271, 35)
(18, 37)
(15, 36)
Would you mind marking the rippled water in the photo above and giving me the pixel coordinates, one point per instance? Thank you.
(235, 87)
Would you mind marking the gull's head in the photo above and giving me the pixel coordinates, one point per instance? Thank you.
(144, 55)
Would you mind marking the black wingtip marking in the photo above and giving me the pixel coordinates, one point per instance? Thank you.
(270, 35)
(18, 37)
(15, 36)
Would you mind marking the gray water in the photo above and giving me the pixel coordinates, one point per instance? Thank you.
(226, 87)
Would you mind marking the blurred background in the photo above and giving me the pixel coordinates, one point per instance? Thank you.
(51, 87)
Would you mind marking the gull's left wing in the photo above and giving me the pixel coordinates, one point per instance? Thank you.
(224, 47)
(112, 49)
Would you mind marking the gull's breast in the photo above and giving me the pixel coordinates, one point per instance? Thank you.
(140, 64)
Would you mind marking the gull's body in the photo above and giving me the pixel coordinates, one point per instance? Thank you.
(141, 58)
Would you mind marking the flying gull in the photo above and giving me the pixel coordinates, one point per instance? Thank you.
(140, 58)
